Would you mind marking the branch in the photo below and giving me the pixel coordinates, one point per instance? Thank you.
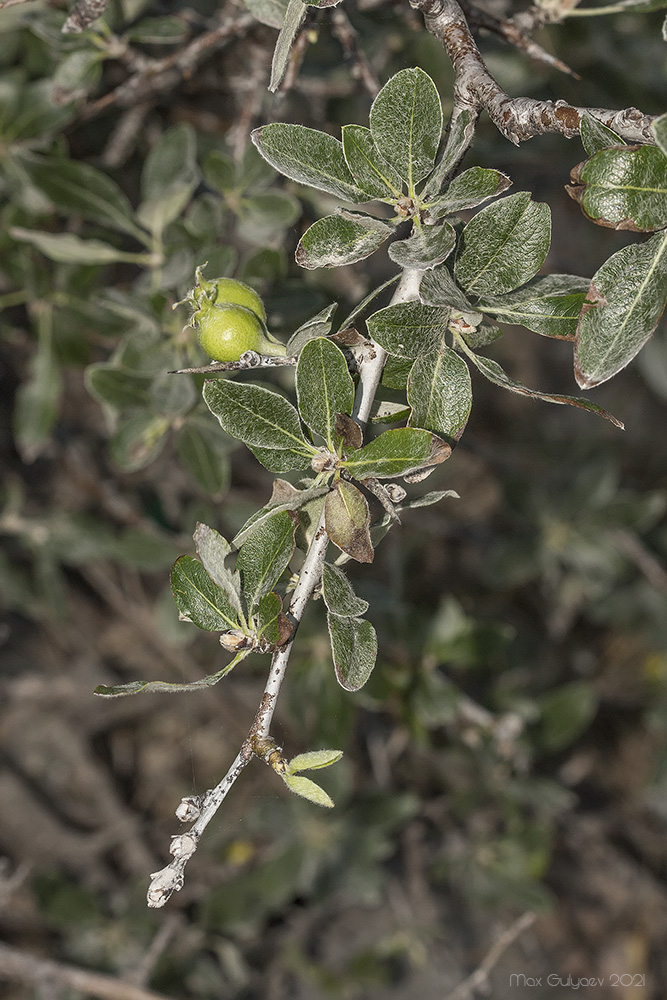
(203, 809)
(478, 981)
(518, 118)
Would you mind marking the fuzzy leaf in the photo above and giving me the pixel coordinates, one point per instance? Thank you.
(341, 239)
(659, 127)
(269, 621)
(439, 392)
(308, 157)
(324, 387)
(292, 501)
(295, 13)
(406, 124)
(425, 248)
(459, 138)
(354, 650)
(595, 135)
(67, 248)
(313, 760)
(306, 788)
(438, 288)
(469, 189)
(549, 305)
(504, 245)
(624, 187)
(135, 687)
(213, 550)
(257, 416)
(396, 452)
(371, 171)
(317, 326)
(625, 301)
(199, 599)
(408, 329)
(347, 521)
(338, 594)
(203, 452)
(264, 555)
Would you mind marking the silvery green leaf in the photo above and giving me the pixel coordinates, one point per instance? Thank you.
(267, 619)
(371, 171)
(203, 451)
(297, 498)
(426, 499)
(459, 138)
(67, 248)
(625, 301)
(623, 188)
(425, 248)
(438, 288)
(354, 650)
(659, 127)
(504, 245)
(139, 440)
(347, 521)
(309, 157)
(199, 599)
(264, 555)
(317, 326)
(408, 329)
(341, 239)
(259, 417)
(280, 459)
(549, 305)
(172, 162)
(595, 135)
(338, 594)
(439, 392)
(406, 124)
(117, 387)
(295, 13)
(324, 387)
(388, 412)
(306, 788)
(313, 760)
(213, 550)
(469, 189)
(271, 12)
(393, 453)
(135, 687)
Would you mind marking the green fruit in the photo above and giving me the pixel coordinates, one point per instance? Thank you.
(228, 291)
(228, 331)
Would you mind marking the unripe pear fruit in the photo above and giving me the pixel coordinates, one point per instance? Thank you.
(229, 291)
(228, 331)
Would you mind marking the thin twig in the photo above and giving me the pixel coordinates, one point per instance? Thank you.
(479, 979)
(171, 878)
(515, 35)
(518, 118)
(342, 28)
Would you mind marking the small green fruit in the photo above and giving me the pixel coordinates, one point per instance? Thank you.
(228, 291)
(228, 331)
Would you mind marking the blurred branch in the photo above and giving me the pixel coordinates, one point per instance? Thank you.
(479, 979)
(517, 118)
(343, 30)
(83, 14)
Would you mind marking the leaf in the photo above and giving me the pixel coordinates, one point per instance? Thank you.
(313, 760)
(565, 713)
(66, 248)
(595, 135)
(426, 247)
(354, 650)
(347, 521)
(406, 124)
(338, 594)
(396, 452)
(459, 139)
(308, 157)
(492, 370)
(270, 622)
(317, 326)
(295, 13)
(76, 187)
(504, 245)
(257, 416)
(438, 288)
(469, 189)
(139, 440)
(625, 301)
(371, 171)
(271, 12)
(549, 305)
(439, 392)
(281, 460)
(199, 599)
(264, 555)
(172, 162)
(38, 398)
(408, 329)
(341, 239)
(213, 550)
(306, 788)
(135, 687)
(659, 127)
(623, 188)
(324, 387)
(395, 372)
(292, 501)
(117, 387)
(202, 450)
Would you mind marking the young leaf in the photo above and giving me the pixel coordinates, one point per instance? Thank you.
(306, 788)
(492, 370)
(257, 416)
(295, 13)
(438, 288)
(439, 392)
(625, 301)
(341, 239)
(549, 305)
(338, 594)
(213, 550)
(309, 157)
(371, 171)
(292, 500)
(504, 245)
(313, 760)
(270, 622)
(324, 387)
(406, 124)
(354, 650)
(396, 452)
(459, 138)
(659, 127)
(135, 687)
(67, 248)
(469, 189)
(317, 326)
(408, 329)
(623, 188)
(281, 459)
(425, 248)
(347, 521)
(595, 135)
(264, 555)
(199, 599)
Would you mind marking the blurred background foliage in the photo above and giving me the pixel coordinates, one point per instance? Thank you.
(509, 751)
